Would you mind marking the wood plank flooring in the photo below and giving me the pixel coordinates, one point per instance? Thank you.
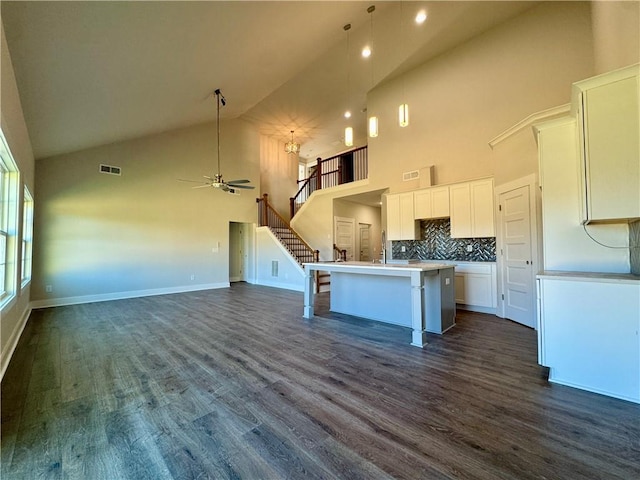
(234, 383)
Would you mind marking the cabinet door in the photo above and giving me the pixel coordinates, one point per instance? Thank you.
(422, 204)
(612, 150)
(407, 220)
(439, 202)
(393, 217)
(477, 289)
(482, 217)
(460, 206)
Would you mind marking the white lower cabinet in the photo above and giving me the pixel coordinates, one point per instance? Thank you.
(476, 286)
(588, 332)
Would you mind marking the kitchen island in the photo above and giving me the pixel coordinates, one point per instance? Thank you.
(416, 295)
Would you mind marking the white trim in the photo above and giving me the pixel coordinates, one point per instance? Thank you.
(332, 190)
(285, 286)
(530, 120)
(105, 297)
(7, 353)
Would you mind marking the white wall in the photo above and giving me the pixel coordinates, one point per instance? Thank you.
(566, 246)
(362, 214)
(269, 249)
(278, 174)
(616, 34)
(462, 99)
(100, 235)
(13, 317)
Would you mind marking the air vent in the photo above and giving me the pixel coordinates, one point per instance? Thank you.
(406, 176)
(109, 169)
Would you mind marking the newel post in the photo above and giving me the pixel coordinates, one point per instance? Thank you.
(265, 213)
(292, 207)
(319, 173)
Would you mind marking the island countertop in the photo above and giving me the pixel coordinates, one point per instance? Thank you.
(381, 268)
(416, 295)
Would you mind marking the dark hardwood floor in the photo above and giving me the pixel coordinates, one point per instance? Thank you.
(234, 383)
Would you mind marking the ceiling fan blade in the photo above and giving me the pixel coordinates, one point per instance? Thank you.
(238, 181)
(203, 186)
(233, 185)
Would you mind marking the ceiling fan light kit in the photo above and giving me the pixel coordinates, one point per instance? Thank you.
(217, 181)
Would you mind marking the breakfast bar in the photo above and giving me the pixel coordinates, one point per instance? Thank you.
(416, 295)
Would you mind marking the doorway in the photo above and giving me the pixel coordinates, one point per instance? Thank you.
(239, 247)
(517, 252)
(365, 242)
(344, 233)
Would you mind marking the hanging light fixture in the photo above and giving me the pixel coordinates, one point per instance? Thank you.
(403, 109)
(292, 147)
(348, 131)
(348, 137)
(373, 120)
(373, 127)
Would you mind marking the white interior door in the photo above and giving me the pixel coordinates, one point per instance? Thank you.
(517, 268)
(365, 242)
(344, 235)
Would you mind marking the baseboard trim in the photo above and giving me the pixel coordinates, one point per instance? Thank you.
(475, 308)
(285, 286)
(7, 353)
(106, 297)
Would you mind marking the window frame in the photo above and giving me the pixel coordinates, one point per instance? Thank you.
(9, 217)
(26, 260)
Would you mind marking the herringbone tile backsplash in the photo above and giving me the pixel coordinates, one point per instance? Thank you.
(436, 244)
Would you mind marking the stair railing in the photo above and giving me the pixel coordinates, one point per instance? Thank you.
(342, 254)
(343, 168)
(269, 217)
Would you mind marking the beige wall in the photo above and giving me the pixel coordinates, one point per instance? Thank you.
(13, 316)
(616, 34)
(362, 214)
(144, 231)
(466, 97)
(278, 174)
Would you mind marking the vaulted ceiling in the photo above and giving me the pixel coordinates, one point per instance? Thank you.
(94, 72)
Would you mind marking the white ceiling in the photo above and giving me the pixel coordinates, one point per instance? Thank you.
(93, 72)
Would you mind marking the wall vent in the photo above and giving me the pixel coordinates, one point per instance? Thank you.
(406, 176)
(110, 169)
(274, 268)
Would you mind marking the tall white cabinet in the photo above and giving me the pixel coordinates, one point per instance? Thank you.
(608, 113)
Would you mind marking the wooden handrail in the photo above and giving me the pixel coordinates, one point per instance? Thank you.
(342, 253)
(265, 221)
(343, 168)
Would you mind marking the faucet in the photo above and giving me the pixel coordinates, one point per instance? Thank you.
(384, 247)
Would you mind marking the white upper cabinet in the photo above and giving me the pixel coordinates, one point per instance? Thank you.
(431, 203)
(401, 224)
(471, 207)
(609, 127)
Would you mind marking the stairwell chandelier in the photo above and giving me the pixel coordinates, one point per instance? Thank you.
(292, 147)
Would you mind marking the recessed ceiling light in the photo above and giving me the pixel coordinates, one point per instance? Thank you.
(421, 17)
(347, 114)
(366, 52)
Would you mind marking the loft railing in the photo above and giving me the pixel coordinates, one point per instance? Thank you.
(343, 168)
(269, 217)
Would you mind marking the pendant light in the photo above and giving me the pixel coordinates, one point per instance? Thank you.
(292, 147)
(348, 131)
(373, 120)
(403, 109)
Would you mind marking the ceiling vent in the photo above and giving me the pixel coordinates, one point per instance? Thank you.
(109, 169)
(406, 176)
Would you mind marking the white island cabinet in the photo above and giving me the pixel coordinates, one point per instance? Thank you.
(417, 295)
(588, 331)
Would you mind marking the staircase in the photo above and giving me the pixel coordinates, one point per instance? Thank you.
(295, 245)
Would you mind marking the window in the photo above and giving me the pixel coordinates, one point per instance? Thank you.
(27, 236)
(8, 222)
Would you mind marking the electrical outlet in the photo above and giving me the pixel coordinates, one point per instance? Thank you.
(48, 288)
(193, 277)
(469, 248)
(403, 249)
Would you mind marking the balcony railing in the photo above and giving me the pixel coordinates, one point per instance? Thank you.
(343, 168)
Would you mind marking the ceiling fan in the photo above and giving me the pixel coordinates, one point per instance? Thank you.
(217, 181)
